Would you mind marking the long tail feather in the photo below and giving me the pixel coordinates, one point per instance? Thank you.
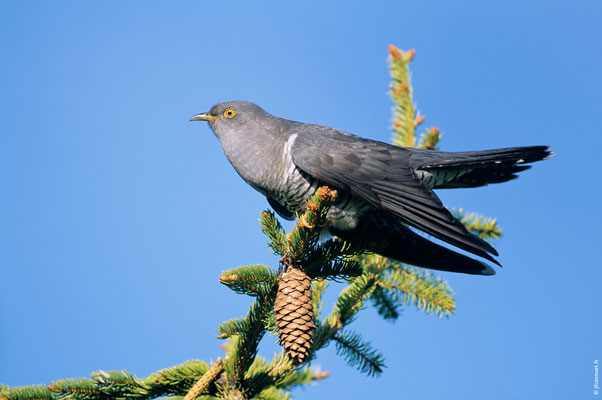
(477, 168)
(391, 239)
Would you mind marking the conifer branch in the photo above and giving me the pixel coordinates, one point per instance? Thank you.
(423, 289)
(253, 280)
(243, 348)
(272, 228)
(359, 353)
(339, 268)
(405, 117)
(430, 140)
(178, 379)
(301, 377)
(385, 302)
(114, 384)
(486, 228)
(325, 332)
(352, 299)
(306, 234)
(279, 373)
(233, 327)
(273, 393)
(399, 285)
(270, 324)
(319, 287)
(34, 392)
(78, 388)
(333, 259)
(202, 384)
(262, 375)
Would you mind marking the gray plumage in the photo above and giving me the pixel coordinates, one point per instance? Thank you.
(383, 188)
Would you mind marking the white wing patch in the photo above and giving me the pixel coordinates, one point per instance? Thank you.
(288, 157)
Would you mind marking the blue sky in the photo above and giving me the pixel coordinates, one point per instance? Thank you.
(118, 214)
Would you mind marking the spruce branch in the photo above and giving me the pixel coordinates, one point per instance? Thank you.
(233, 327)
(78, 388)
(430, 140)
(352, 299)
(178, 379)
(386, 303)
(253, 280)
(319, 287)
(325, 332)
(279, 373)
(273, 393)
(262, 374)
(486, 228)
(34, 392)
(399, 285)
(203, 383)
(272, 228)
(243, 348)
(306, 234)
(270, 324)
(339, 268)
(301, 377)
(374, 263)
(426, 291)
(333, 259)
(359, 353)
(114, 384)
(405, 116)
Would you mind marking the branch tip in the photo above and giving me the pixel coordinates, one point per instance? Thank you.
(395, 52)
(321, 375)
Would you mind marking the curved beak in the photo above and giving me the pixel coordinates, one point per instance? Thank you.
(203, 117)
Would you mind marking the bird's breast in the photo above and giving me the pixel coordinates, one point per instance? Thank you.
(298, 187)
(271, 171)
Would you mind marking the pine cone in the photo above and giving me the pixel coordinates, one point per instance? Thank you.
(294, 313)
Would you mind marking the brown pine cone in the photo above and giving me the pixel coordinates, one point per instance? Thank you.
(294, 314)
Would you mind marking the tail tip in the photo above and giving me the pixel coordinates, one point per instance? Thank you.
(487, 270)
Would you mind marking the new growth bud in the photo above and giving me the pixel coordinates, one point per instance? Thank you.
(395, 52)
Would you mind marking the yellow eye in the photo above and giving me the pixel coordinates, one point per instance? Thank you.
(229, 113)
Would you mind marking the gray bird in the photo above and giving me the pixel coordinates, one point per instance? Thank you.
(383, 189)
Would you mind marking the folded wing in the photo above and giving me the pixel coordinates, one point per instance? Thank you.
(382, 175)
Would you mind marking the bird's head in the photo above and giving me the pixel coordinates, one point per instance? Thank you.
(232, 116)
